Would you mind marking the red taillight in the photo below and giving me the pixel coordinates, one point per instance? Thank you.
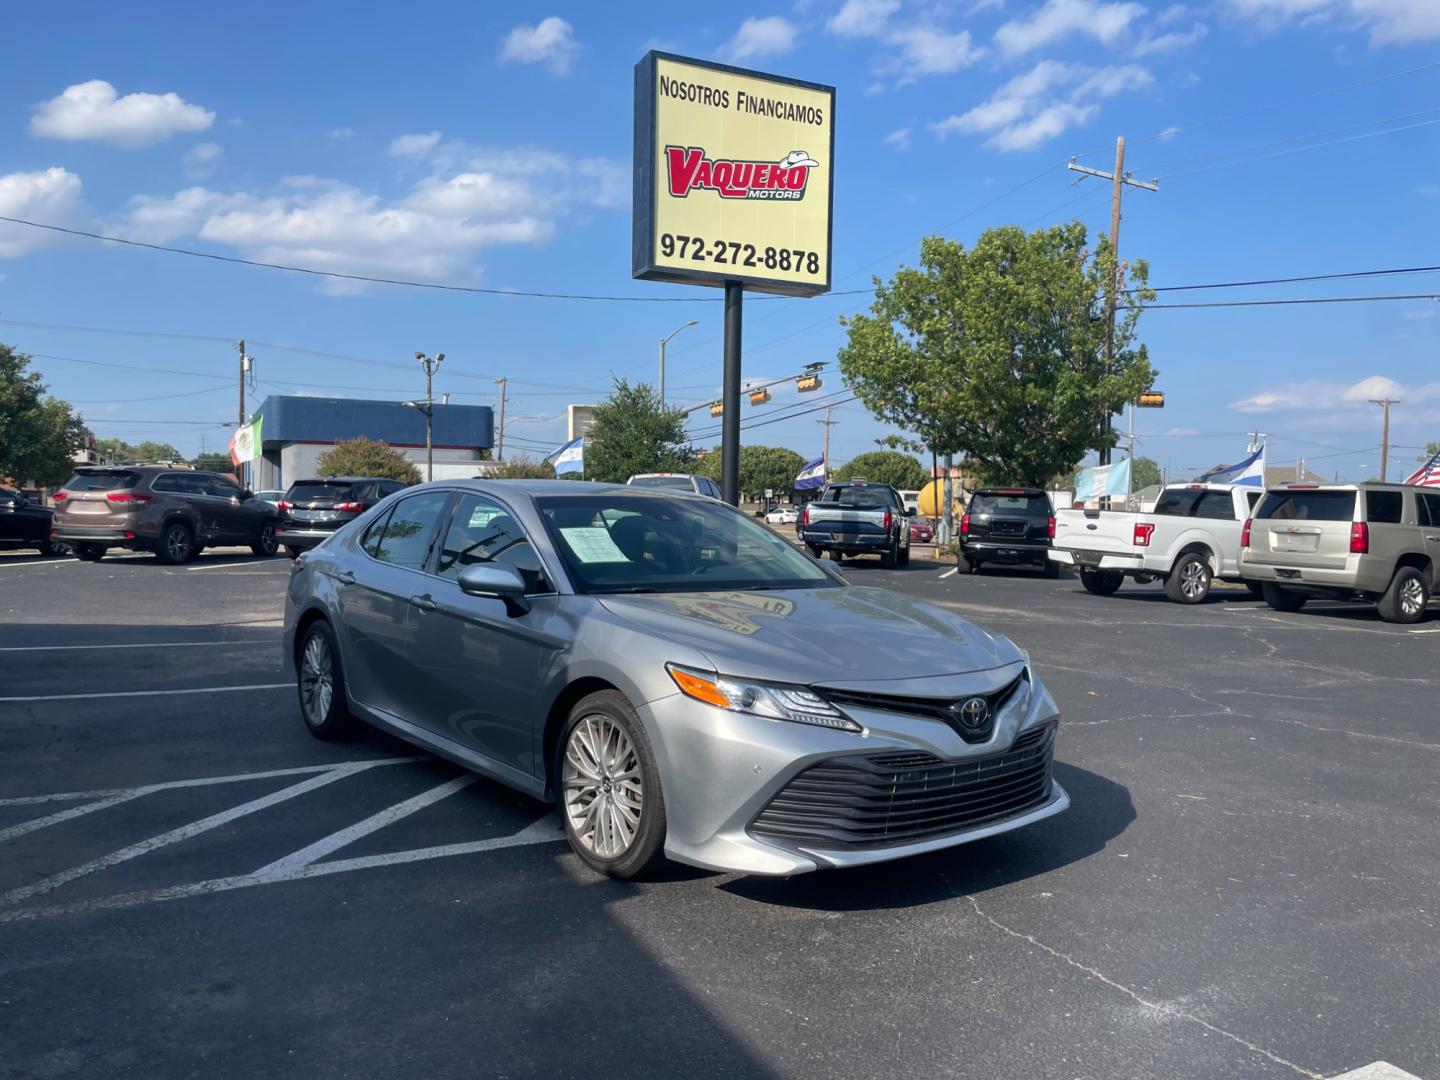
(126, 497)
(964, 524)
(350, 507)
(60, 496)
(282, 505)
(1359, 538)
(805, 515)
(1143, 532)
(1245, 534)
(888, 520)
(1050, 529)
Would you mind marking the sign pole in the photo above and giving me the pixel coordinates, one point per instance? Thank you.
(730, 396)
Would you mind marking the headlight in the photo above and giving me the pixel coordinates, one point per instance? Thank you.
(770, 700)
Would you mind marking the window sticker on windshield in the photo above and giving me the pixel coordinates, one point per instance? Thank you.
(592, 544)
(482, 515)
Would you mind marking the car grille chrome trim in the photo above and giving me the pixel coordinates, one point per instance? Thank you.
(883, 800)
(930, 708)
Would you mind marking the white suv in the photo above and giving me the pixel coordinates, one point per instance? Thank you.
(677, 481)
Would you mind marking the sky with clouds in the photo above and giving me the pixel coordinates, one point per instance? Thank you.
(489, 146)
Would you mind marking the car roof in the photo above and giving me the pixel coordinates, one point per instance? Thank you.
(341, 480)
(998, 490)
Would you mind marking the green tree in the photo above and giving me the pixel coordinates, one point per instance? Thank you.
(367, 457)
(1144, 472)
(761, 467)
(120, 450)
(523, 468)
(998, 353)
(635, 433)
(220, 463)
(1431, 449)
(39, 434)
(900, 471)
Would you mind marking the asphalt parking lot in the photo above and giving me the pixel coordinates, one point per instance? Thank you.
(192, 886)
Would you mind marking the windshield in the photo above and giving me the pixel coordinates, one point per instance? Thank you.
(1027, 505)
(618, 542)
(318, 491)
(102, 480)
(675, 483)
(1308, 505)
(858, 498)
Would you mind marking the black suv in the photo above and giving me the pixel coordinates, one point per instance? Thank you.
(1007, 525)
(176, 513)
(25, 523)
(312, 510)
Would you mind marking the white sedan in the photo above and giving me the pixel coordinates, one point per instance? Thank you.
(783, 515)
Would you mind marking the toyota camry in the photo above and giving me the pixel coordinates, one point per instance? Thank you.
(681, 681)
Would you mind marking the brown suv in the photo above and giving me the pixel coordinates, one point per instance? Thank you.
(174, 513)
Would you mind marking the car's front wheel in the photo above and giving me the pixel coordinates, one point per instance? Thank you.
(610, 795)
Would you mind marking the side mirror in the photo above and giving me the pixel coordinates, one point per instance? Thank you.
(911, 511)
(495, 581)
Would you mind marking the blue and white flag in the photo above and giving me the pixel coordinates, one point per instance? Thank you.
(570, 458)
(811, 476)
(1250, 472)
(1098, 481)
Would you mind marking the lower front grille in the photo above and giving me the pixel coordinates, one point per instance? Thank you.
(906, 796)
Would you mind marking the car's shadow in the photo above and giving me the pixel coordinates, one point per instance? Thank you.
(1100, 811)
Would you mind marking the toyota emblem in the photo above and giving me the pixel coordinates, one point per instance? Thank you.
(972, 713)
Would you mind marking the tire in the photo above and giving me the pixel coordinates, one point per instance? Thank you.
(320, 683)
(295, 552)
(975, 565)
(90, 552)
(1282, 599)
(1101, 582)
(1256, 588)
(904, 559)
(1189, 579)
(1051, 569)
(605, 755)
(890, 556)
(177, 544)
(1407, 597)
(962, 564)
(51, 549)
(266, 545)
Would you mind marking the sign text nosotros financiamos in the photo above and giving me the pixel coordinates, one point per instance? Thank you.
(689, 168)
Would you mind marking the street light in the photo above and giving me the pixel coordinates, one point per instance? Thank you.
(425, 407)
(663, 342)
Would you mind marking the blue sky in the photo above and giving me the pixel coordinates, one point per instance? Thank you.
(489, 144)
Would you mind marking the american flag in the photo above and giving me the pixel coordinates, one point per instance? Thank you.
(1428, 475)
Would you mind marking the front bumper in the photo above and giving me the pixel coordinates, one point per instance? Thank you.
(722, 769)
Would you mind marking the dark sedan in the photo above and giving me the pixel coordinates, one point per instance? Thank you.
(25, 523)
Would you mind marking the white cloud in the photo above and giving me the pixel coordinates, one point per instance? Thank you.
(1153, 45)
(51, 197)
(414, 145)
(1316, 395)
(1166, 134)
(773, 35)
(551, 42)
(1390, 22)
(1044, 102)
(340, 134)
(203, 158)
(927, 50)
(862, 18)
(900, 139)
(92, 110)
(1061, 18)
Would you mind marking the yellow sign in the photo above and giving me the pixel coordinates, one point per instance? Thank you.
(733, 177)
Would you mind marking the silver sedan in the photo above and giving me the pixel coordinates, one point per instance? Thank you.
(677, 677)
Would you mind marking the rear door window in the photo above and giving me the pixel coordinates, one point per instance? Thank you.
(1383, 507)
(409, 530)
(1308, 506)
(220, 487)
(1428, 507)
(1219, 505)
(102, 480)
(1177, 503)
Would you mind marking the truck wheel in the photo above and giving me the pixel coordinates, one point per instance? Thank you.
(1406, 598)
(1257, 588)
(1051, 569)
(962, 564)
(904, 559)
(1282, 599)
(1189, 580)
(890, 556)
(1101, 582)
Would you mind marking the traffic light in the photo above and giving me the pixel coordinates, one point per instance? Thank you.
(1151, 399)
(807, 382)
(760, 397)
(717, 409)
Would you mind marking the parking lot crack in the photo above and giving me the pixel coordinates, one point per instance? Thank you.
(1139, 999)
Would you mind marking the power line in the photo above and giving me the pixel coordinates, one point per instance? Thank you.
(1280, 303)
(1293, 280)
(128, 367)
(151, 397)
(1296, 149)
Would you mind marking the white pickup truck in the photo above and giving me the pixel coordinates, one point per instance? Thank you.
(1189, 539)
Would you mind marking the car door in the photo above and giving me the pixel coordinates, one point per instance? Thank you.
(375, 587)
(239, 518)
(478, 664)
(191, 491)
(1427, 513)
(13, 526)
(1217, 507)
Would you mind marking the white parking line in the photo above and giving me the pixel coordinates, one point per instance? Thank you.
(1379, 1070)
(148, 693)
(950, 573)
(65, 815)
(269, 643)
(1435, 630)
(249, 564)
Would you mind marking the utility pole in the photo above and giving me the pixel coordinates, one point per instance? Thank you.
(1385, 404)
(431, 366)
(500, 434)
(828, 425)
(240, 413)
(1118, 179)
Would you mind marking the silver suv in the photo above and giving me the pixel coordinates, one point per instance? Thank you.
(1374, 542)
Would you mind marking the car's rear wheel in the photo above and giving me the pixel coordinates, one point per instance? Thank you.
(1189, 580)
(1101, 582)
(177, 544)
(904, 556)
(1282, 599)
(90, 552)
(1051, 569)
(1257, 588)
(265, 544)
(320, 680)
(891, 555)
(610, 795)
(52, 548)
(1407, 597)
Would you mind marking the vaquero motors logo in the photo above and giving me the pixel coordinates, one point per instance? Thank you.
(689, 169)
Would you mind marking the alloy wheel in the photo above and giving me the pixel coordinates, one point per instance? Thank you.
(1412, 596)
(267, 539)
(317, 679)
(177, 544)
(604, 794)
(1192, 580)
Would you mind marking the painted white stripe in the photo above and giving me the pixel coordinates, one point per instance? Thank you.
(546, 830)
(132, 645)
(1434, 631)
(279, 564)
(950, 573)
(1379, 1070)
(149, 693)
(174, 836)
(337, 840)
(65, 815)
(203, 781)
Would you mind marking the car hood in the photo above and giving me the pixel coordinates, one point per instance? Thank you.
(848, 637)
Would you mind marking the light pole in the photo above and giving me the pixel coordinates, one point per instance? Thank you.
(428, 408)
(663, 342)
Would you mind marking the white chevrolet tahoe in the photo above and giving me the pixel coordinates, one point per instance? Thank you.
(1189, 539)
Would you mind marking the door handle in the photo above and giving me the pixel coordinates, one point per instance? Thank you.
(424, 602)
(345, 577)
